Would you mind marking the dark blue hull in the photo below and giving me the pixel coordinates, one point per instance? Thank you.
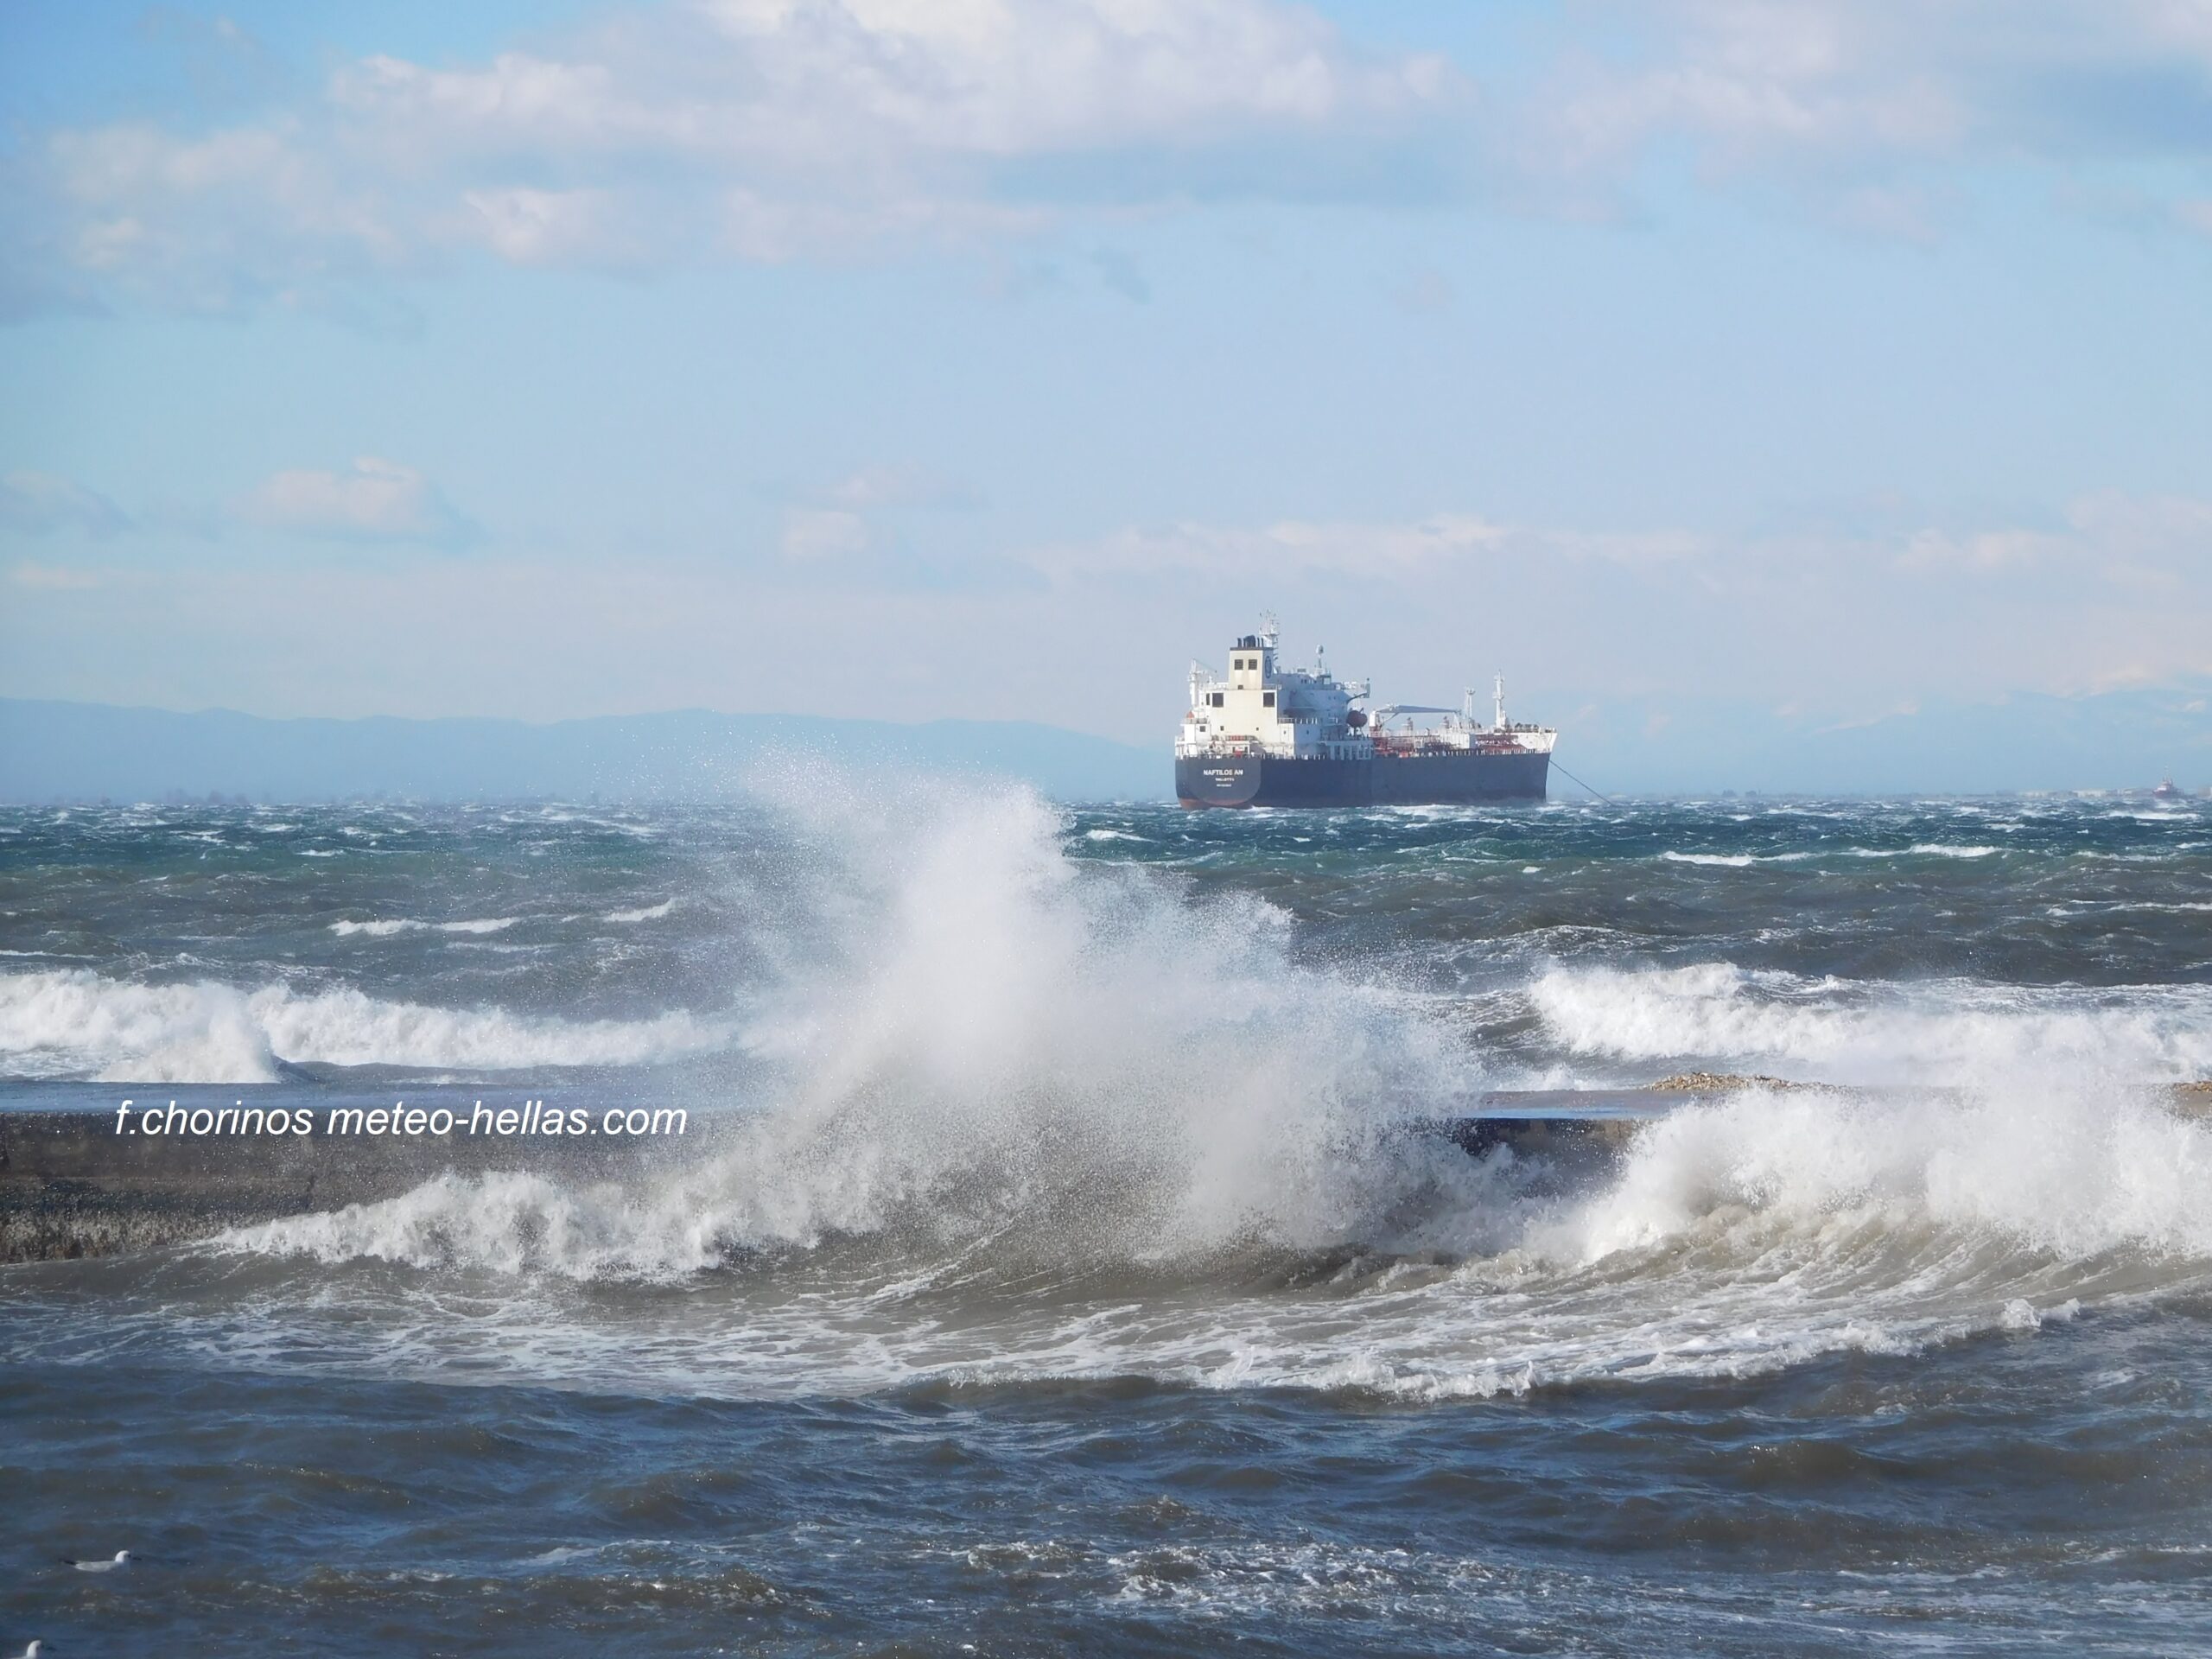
(1396, 780)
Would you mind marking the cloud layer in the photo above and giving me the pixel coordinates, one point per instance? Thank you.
(373, 500)
(40, 503)
(753, 129)
(773, 129)
(1836, 627)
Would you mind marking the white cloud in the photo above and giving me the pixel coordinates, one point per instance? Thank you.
(1820, 621)
(2108, 540)
(815, 534)
(1748, 75)
(1985, 551)
(860, 515)
(1408, 550)
(194, 220)
(1845, 92)
(778, 130)
(815, 86)
(51, 579)
(2179, 523)
(763, 128)
(373, 500)
(544, 227)
(891, 487)
(2111, 579)
(41, 502)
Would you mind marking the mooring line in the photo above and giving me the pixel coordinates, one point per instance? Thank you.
(1571, 778)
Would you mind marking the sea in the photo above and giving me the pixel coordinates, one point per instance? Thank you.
(1080, 1271)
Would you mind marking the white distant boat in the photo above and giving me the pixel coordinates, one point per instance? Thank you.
(2165, 790)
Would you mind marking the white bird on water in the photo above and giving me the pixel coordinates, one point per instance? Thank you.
(122, 1558)
(32, 1651)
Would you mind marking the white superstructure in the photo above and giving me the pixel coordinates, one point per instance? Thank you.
(1292, 714)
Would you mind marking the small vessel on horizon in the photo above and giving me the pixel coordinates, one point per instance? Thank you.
(2165, 790)
(1269, 735)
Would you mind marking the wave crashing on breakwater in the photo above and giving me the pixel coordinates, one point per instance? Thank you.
(1016, 1094)
(1096, 1122)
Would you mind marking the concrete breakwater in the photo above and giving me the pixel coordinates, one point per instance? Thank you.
(87, 1181)
(79, 1177)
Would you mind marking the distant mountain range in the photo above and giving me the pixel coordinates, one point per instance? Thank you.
(83, 751)
(2114, 739)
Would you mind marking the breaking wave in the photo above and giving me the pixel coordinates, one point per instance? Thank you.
(384, 929)
(1728, 1240)
(79, 1024)
(1037, 1120)
(1943, 1032)
(987, 1039)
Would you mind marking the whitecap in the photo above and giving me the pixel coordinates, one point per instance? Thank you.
(77, 1023)
(385, 928)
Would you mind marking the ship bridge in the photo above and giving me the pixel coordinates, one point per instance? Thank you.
(1263, 707)
(1260, 706)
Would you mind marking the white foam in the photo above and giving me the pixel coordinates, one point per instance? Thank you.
(986, 1016)
(79, 1024)
(1734, 1239)
(1839, 1031)
(643, 913)
(74, 1023)
(1044, 1119)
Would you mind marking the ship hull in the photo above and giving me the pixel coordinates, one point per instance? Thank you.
(1396, 781)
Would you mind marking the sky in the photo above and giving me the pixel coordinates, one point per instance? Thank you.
(1807, 361)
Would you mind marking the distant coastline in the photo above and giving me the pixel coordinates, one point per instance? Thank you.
(2119, 742)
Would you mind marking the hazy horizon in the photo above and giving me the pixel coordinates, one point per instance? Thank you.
(60, 751)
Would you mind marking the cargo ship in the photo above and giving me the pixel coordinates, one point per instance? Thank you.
(1269, 735)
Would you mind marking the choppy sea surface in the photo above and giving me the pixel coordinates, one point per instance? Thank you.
(1075, 1280)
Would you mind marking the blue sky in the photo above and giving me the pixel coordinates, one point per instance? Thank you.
(1816, 359)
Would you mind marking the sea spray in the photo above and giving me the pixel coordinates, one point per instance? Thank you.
(984, 1040)
(1012, 1102)
(1733, 1239)
(1031, 1117)
(1799, 1371)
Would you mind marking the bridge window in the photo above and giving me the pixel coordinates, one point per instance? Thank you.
(1217, 699)
(1268, 698)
